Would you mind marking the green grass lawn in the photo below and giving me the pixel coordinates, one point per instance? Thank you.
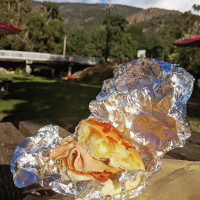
(39, 98)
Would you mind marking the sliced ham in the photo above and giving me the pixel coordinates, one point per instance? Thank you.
(77, 159)
(80, 160)
(63, 150)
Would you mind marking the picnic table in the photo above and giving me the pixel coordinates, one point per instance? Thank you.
(177, 179)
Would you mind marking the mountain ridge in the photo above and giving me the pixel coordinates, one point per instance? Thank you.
(90, 16)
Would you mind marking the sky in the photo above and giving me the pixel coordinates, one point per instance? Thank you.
(180, 5)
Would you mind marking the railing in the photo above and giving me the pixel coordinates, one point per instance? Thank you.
(7, 55)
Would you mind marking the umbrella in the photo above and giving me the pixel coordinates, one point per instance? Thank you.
(193, 41)
(6, 29)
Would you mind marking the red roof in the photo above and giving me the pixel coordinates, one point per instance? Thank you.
(193, 41)
(6, 29)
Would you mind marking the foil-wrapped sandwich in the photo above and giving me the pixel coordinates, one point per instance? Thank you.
(138, 116)
(98, 152)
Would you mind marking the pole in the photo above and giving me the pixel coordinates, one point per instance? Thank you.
(107, 52)
(64, 45)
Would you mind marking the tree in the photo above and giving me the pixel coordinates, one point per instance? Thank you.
(50, 11)
(91, 51)
(98, 37)
(129, 46)
(189, 57)
(41, 32)
(116, 20)
(126, 47)
(54, 33)
(77, 38)
(196, 7)
(118, 40)
(155, 46)
(138, 35)
(191, 23)
(36, 33)
(16, 13)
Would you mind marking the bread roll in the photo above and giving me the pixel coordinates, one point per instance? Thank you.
(104, 142)
(98, 152)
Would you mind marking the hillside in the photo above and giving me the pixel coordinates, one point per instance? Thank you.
(148, 14)
(90, 16)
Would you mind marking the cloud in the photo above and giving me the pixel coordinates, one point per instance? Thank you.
(181, 5)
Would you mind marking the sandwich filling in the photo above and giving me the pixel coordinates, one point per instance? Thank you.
(98, 152)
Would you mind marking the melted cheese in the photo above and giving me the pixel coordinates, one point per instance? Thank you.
(104, 142)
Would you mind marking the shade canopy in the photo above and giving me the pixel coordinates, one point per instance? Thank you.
(193, 41)
(6, 29)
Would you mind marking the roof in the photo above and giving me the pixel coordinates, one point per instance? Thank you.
(6, 29)
(193, 41)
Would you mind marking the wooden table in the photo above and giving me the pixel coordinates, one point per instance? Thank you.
(11, 137)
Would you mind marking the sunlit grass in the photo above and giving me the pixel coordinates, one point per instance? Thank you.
(20, 77)
(9, 105)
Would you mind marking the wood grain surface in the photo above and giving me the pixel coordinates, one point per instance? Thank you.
(10, 138)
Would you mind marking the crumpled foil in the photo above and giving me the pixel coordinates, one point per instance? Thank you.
(145, 100)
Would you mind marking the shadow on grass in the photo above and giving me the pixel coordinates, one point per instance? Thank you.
(46, 100)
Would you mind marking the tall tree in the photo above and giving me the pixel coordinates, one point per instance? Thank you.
(77, 38)
(16, 13)
(54, 33)
(118, 38)
(155, 46)
(36, 33)
(191, 23)
(138, 35)
(50, 10)
(41, 32)
(98, 43)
